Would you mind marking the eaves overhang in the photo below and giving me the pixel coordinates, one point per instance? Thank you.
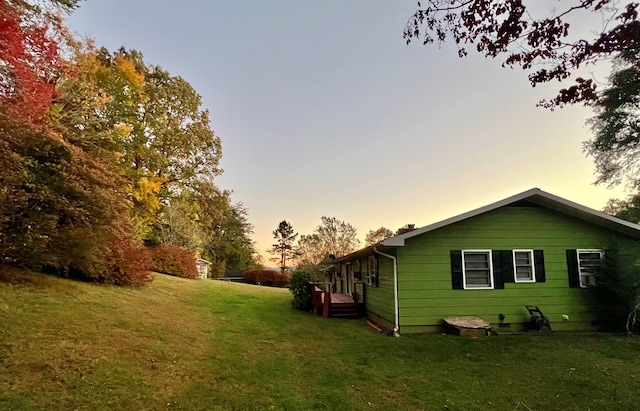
(363, 252)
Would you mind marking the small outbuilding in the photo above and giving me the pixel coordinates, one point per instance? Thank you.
(203, 267)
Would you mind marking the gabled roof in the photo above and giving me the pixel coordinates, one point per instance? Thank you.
(535, 196)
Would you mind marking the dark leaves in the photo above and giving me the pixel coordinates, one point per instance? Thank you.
(616, 126)
(505, 27)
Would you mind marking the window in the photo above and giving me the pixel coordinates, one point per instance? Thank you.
(477, 269)
(524, 267)
(372, 271)
(357, 270)
(492, 269)
(589, 261)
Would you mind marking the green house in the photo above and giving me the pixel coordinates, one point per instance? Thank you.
(533, 248)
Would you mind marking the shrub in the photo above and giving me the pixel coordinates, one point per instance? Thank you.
(173, 260)
(127, 264)
(266, 277)
(102, 257)
(617, 289)
(280, 279)
(217, 269)
(300, 289)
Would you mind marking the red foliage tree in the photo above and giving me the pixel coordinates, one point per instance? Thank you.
(29, 61)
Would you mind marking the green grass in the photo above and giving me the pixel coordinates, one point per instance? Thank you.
(209, 345)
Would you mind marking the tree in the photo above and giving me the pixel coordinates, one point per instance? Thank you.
(71, 214)
(179, 224)
(64, 206)
(99, 151)
(616, 126)
(233, 238)
(203, 219)
(540, 45)
(283, 249)
(337, 237)
(376, 236)
(31, 59)
(169, 145)
(311, 251)
(182, 146)
(628, 209)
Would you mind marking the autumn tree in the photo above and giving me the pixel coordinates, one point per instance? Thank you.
(203, 219)
(169, 146)
(332, 238)
(283, 250)
(375, 236)
(311, 251)
(99, 151)
(179, 224)
(69, 213)
(541, 45)
(338, 238)
(30, 42)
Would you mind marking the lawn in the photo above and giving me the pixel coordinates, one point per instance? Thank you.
(210, 345)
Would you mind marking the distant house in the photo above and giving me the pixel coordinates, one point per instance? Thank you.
(203, 267)
(533, 248)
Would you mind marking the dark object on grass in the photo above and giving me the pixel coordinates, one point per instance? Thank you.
(538, 322)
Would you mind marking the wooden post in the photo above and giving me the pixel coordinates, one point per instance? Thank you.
(326, 303)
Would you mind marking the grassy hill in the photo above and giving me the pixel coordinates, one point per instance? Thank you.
(207, 345)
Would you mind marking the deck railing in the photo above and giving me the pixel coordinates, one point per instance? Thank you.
(336, 304)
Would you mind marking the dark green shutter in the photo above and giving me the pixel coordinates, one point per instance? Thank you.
(506, 260)
(572, 268)
(538, 261)
(498, 280)
(456, 270)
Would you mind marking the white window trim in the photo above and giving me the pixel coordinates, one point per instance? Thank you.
(464, 270)
(515, 268)
(580, 274)
(372, 271)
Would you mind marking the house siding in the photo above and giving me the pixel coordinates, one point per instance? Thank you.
(380, 300)
(424, 269)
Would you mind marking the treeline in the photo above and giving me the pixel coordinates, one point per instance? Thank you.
(331, 239)
(103, 155)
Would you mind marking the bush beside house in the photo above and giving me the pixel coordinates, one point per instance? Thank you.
(300, 289)
(267, 277)
(172, 260)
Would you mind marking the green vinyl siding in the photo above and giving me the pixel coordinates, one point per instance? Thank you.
(424, 269)
(380, 299)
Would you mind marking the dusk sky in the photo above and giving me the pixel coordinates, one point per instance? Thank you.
(323, 110)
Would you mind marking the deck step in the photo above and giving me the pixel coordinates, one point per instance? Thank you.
(344, 310)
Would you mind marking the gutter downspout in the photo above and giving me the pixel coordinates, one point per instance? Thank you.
(396, 329)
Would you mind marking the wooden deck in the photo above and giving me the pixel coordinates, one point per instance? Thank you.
(335, 304)
(341, 298)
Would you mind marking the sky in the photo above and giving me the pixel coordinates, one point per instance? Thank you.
(323, 110)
